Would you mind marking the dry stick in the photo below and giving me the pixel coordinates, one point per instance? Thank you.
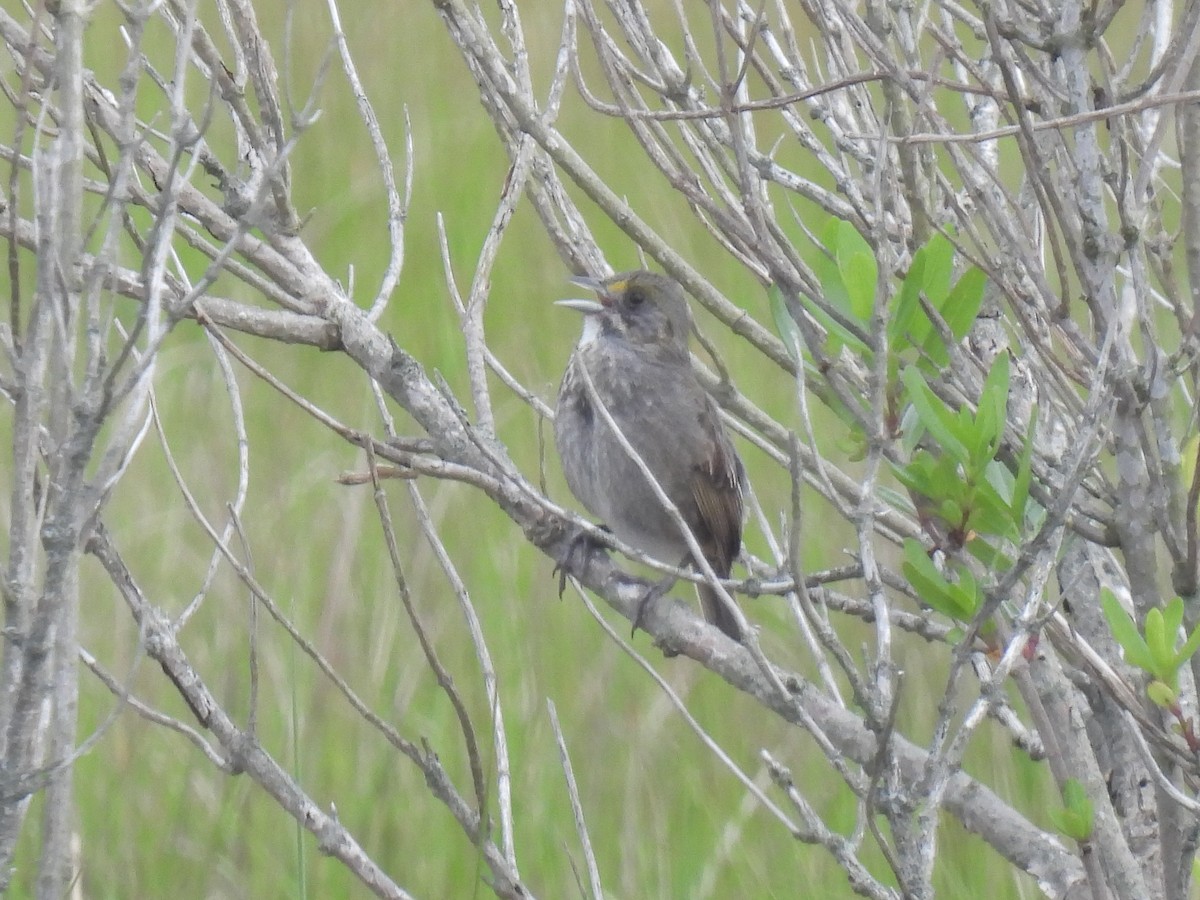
(815, 831)
(1152, 765)
(445, 682)
(13, 789)
(783, 562)
(150, 714)
(397, 206)
(1121, 692)
(487, 669)
(593, 870)
(880, 705)
(682, 709)
(800, 602)
(419, 463)
(244, 753)
(252, 713)
(470, 318)
(243, 469)
(470, 819)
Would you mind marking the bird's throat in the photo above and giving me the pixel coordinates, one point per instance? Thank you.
(591, 330)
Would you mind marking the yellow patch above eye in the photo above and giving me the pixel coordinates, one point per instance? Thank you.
(617, 287)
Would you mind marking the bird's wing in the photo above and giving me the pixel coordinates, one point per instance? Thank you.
(717, 489)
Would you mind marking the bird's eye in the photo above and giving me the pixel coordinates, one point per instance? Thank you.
(635, 298)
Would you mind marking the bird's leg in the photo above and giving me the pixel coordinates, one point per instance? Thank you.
(658, 590)
(581, 545)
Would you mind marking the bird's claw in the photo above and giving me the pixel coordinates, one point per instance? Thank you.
(582, 543)
(650, 596)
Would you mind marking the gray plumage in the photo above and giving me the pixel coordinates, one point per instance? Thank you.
(635, 348)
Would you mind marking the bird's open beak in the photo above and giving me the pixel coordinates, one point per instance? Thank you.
(588, 307)
(592, 284)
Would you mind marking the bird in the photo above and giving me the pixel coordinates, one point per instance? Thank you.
(634, 349)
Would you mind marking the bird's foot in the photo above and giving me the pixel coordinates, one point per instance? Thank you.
(579, 549)
(658, 590)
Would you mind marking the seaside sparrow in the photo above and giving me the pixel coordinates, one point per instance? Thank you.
(635, 348)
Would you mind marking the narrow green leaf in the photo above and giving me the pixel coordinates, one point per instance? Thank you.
(1189, 648)
(991, 416)
(939, 265)
(994, 395)
(1078, 810)
(938, 421)
(990, 515)
(931, 586)
(1125, 632)
(916, 479)
(993, 559)
(969, 596)
(908, 326)
(860, 274)
(1074, 795)
(789, 331)
(1161, 694)
(1173, 618)
(856, 267)
(962, 304)
(1020, 494)
(833, 293)
(1000, 480)
(1162, 649)
(1059, 819)
(951, 512)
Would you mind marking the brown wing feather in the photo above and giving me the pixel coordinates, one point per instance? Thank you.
(717, 490)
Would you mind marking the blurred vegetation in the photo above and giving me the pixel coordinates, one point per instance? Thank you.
(157, 820)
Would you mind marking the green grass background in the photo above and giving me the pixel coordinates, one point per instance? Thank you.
(667, 820)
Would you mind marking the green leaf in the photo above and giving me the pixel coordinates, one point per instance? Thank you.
(839, 335)
(789, 331)
(967, 591)
(931, 586)
(951, 512)
(850, 270)
(1161, 694)
(990, 515)
(929, 276)
(828, 268)
(962, 304)
(908, 326)
(1000, 480)
(1125, 632)
(833, 291)
(1020, 494)
(995, 560)
(860, 272)
(1077, 815)
(940, 422)
(1189, 648)
(939, 265)
(1162, 648)
(1173, 618)
(993, 403)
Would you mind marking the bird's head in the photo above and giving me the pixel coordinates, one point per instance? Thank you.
(641, 307)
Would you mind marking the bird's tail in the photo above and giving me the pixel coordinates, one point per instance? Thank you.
(718, 613)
